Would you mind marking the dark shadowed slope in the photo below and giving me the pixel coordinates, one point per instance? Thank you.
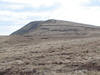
(27, 28)
(58, 28)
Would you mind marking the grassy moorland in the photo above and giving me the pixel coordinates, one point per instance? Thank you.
(27, 56)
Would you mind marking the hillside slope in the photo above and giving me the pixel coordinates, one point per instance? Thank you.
(58, 28)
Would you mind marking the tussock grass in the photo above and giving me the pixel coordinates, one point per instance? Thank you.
(50, 57)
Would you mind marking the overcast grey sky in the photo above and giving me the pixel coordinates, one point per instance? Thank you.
(16, 13)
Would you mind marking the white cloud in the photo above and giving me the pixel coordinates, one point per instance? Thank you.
(34, 3)
(75, 10)
(16, 6)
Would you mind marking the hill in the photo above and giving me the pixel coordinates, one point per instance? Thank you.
(58, 28)
(51, 47)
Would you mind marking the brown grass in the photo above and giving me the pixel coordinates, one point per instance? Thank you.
(25, 56)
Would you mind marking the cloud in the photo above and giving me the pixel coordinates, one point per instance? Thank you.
(16, 13)
(76, 11)
(33, 3)
(93, 3)
(22, 8)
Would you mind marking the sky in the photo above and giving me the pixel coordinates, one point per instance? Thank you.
(14, 14)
